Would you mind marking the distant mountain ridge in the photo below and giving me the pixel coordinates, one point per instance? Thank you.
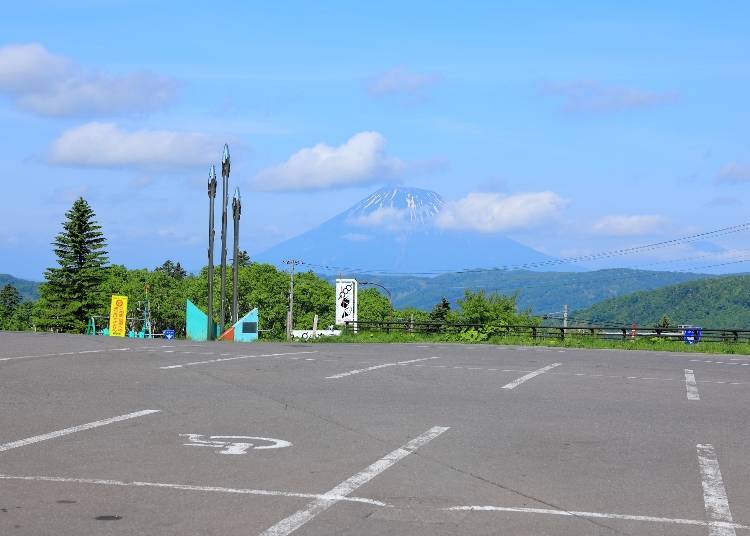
(541, 292)
(718, 302)
(29, 289)
(394, 230)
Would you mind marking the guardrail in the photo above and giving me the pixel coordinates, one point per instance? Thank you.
(550, 332)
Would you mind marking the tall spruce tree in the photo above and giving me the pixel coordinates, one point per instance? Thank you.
(72, 291)
(10, 299)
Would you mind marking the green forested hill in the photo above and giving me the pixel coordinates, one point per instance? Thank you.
(717, 302)
(542, 292)
(29, 289)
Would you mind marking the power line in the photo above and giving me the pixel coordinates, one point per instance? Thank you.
(639, 275)
(554, 262)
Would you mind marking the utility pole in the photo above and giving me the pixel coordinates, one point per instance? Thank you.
(211, 232)
(290, 314)
(236, 212)
(225, 164)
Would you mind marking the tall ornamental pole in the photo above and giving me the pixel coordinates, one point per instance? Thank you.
(236, 213)
(211, 197)
(224, 202)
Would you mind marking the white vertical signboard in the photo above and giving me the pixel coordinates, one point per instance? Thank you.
(346, 301)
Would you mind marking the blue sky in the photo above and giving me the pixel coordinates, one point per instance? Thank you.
(603, 125)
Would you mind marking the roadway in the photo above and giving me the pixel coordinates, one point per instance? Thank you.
(117, 436)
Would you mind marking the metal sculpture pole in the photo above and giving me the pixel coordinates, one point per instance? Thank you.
(236, 213)
(224, 202)
(211, 197)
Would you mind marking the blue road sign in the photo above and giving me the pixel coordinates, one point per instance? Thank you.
(692, 335)
(169, 334)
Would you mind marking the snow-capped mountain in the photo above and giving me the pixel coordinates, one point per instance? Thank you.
(392, 230)
(413, 205)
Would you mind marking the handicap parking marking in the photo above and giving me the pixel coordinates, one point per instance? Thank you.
(74, 429)
(233, 445)
(235, 358)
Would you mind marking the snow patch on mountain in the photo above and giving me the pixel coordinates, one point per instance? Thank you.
(392, 207)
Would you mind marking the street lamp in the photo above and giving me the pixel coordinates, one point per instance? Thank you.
(225, 165)
(236, 212)
(211, 197)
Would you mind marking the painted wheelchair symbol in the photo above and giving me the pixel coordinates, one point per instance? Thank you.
(233, 445)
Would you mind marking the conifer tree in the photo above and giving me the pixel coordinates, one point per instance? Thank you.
(440, 312)
(71, 293)
(10, 299)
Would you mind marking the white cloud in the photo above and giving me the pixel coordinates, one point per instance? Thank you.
(587, 96)
(355, 237)
(360, 160)
(107, 145)
(53, 85)
(495, 212)
(400, 81)
(384, 217)
(632, 225)
(734, 173)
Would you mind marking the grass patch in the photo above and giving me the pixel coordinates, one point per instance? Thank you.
(576, 341)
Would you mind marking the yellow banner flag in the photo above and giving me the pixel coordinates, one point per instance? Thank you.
(117, 315)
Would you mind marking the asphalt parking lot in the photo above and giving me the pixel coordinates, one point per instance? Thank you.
(112, 436)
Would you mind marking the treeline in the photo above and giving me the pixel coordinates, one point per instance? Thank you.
(259, 285)
(717, 302)
(80, 287)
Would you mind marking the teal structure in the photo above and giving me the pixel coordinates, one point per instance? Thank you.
(246, 328)
(196, 323)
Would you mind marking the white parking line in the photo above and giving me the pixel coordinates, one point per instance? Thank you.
(691, 387)
(231, 359)
(321, 504)
(603, 515)
(73, 429)
(187, 487)
(714, 494)
(522, 379)
(384, 365)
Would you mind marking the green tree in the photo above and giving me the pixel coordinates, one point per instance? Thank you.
(21, 319)
(313, 296)
(259, 285)
(441, 310)
(72, 291)
(172, 269)
(10, 299)
(372, 306)
(243, 259)
(664, 323)
(493, 310)
(411, 314)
